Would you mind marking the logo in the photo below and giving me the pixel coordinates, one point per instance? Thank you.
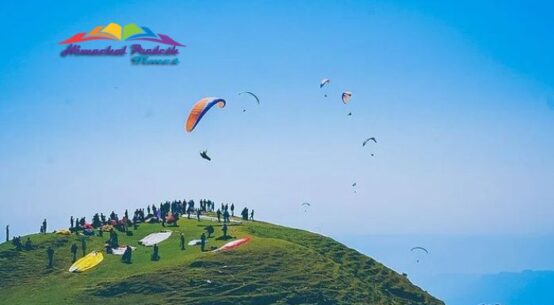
(160, 49)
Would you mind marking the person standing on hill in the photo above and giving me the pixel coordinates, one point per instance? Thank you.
(202, 242)
(182, 241)
(74, 251)
(218, 215)
(44, 226)
(226, 216)
(244, 214)
(71, 221)
(50, 253)
(232, 209)
(198, 214)
(224, 228)
(155, 255)
(28, 244)
(7, 233)
(84, 246)
(126, 258)
(252, 215)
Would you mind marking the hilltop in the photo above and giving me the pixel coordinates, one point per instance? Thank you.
(278, 266)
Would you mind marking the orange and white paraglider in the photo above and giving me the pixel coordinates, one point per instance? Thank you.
(199, 110)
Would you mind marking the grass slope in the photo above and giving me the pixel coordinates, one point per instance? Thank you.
(279, 266)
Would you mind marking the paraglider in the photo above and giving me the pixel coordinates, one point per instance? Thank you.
(369, 139)
(346, 96)
(354, 184)
(305, 205)
(204, 155)
(419, 250)
(199, 110)
(252, 94)
(349, 114)
(324, 82)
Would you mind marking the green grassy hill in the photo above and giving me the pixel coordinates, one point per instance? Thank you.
(278, 266)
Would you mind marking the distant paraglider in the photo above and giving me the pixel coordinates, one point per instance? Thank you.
(251, 94)
(419, 250)
(324, 82)
(199, 110)
(369, 139)
(204, 155)
(346, 96)
(349, 114)
(305, 205)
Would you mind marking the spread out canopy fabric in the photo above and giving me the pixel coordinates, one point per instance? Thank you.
(199, 110)
(233, 244)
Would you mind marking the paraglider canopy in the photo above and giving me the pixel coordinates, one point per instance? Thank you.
(204, 155)
(324, 82)
(369, 139)
(199, 109)
(420, 249)
(251, 94)
(346, 96)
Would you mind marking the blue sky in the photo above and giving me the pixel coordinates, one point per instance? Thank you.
(456, 94)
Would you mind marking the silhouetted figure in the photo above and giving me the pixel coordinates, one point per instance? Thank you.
(50, 253)
(244, 214)
(224, 228)
(233, 209)
(202, 242)
(84, 246)
(7, 233)
(218, 215)
(44, 226)
(28, 244)
(155, 255)
(114, 239)
(198, 214)
(226, 216)
(71, 222)
(252, 215)
(182, 241)
(210, 230)
(108, 248)
(17, 243)
(126, 258)
(74, 252)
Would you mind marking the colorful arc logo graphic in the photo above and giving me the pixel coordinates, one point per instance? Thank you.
(114, 31)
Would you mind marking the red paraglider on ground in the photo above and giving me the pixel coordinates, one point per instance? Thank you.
(233, 244)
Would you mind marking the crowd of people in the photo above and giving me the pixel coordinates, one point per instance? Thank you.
(166, 213)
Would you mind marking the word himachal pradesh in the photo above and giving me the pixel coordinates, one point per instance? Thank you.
(139, 54)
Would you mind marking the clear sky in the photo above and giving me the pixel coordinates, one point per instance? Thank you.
(458, 95)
